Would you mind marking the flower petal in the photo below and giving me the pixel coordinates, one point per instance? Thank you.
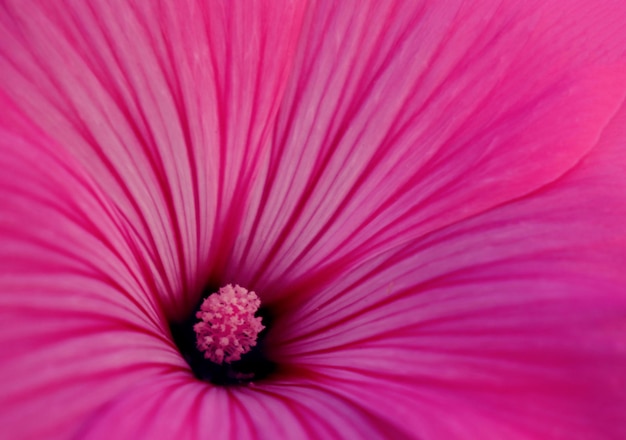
(168, 107)
(178, 408)
(507, 325)
(77, 313)
(401, 119)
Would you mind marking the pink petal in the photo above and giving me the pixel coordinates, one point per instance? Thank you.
(507, 325)
(400, 120)
(178, 408)
(167, 106)
(79, 322)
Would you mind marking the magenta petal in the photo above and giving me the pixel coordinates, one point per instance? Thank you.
(177, 408)
(409, 119)
(79, 322)
(167, 106)
(507, 325)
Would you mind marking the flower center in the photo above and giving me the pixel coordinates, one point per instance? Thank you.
(222, 340)
(228, 328)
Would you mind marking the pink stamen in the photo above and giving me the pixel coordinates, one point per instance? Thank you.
(227, 327)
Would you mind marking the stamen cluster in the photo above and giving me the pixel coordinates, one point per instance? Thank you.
(228, 328)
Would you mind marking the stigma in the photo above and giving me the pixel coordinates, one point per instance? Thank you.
(228, 328)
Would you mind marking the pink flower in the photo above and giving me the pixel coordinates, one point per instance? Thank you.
(428, 198)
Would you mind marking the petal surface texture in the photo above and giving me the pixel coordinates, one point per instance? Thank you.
(429, 196)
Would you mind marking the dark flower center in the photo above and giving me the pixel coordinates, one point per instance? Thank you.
(223, 340)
